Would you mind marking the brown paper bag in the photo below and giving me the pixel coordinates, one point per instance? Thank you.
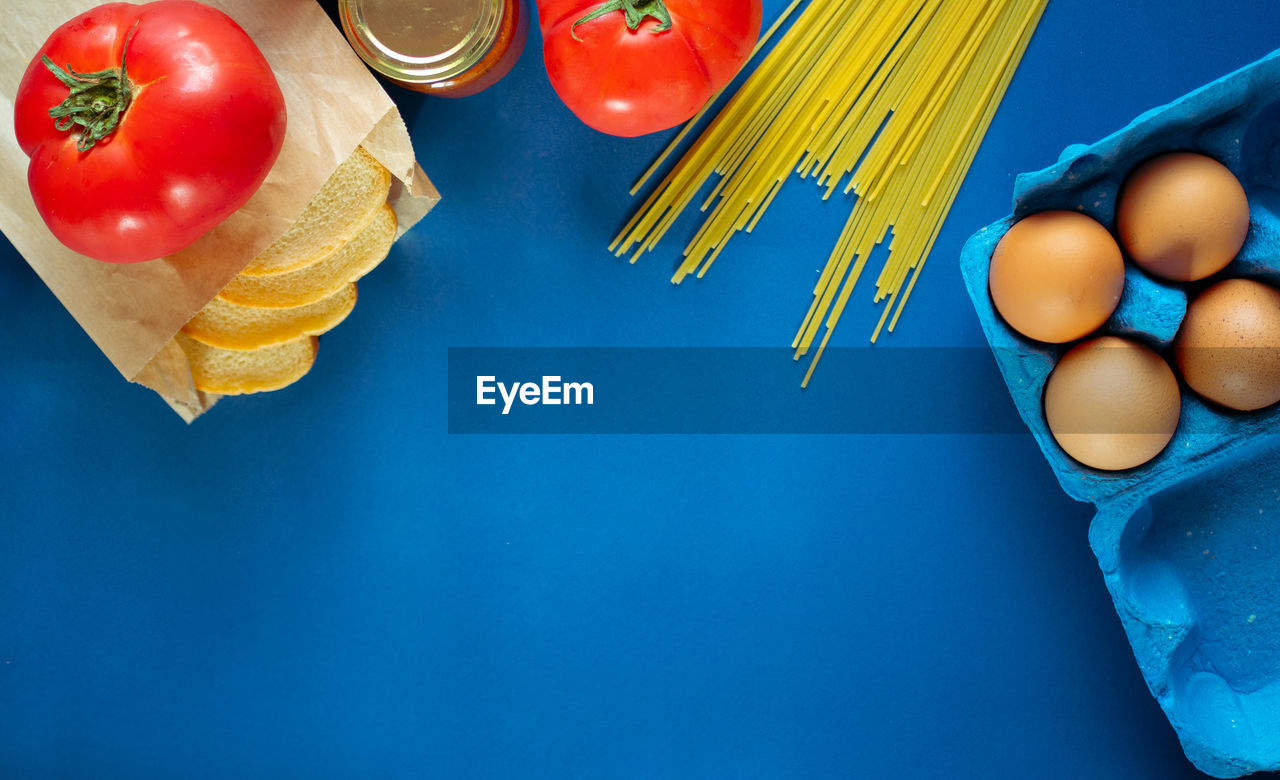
(132, 312)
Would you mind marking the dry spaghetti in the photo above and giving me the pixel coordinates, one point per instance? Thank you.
(889, 98)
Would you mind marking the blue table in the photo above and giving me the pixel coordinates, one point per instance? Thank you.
(323, 582)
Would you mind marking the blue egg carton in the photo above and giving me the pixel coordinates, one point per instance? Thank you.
(1188, 543)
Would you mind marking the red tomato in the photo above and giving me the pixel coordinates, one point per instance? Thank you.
(202, 123)
(630, 67)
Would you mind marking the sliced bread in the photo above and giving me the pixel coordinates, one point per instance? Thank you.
(322, 279)
(233, 326)
(235, 372)
(346, 203)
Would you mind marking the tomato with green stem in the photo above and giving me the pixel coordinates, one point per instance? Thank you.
(146, 126)
(631, 67)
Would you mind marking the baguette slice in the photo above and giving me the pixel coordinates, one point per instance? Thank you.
(322, 279)
(236, 372)
(343, 207)
(233, 326)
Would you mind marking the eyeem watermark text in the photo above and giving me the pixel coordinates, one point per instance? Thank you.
(551, 392)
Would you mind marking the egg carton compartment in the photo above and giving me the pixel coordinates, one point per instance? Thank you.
(1193, 570)
(1176, 615)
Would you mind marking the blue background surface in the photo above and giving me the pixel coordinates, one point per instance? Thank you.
(321, 582)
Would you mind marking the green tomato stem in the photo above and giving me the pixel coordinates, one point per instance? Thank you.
(636, 11)
(97, 100)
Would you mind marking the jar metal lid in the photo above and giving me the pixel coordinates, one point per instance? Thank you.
(421, 42)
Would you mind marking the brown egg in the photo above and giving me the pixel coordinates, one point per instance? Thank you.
(1182, 216)
(1056, 276)
(1228, 346)
(1112, 403)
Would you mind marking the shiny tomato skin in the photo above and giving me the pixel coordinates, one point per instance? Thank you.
(204, 127)
(631, 82)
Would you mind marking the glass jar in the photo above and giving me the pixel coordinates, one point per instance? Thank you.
(454, 48)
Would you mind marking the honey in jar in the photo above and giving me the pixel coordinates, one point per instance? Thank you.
(450, 48)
